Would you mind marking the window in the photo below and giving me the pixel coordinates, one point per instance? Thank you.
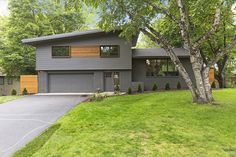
(160, 67)
(61, 51)
(1, 80)
(9, 81)
(109, 51)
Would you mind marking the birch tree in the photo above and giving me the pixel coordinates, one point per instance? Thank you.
(132, 16)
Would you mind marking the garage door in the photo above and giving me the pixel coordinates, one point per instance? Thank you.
(70, 83)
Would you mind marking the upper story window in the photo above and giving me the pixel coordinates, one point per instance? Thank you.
(109, 51)
(61, 51)
(1, 80)
(160, 67)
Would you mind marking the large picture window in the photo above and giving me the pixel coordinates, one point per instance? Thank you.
(160, 67)
(61, 51)
(109, 51)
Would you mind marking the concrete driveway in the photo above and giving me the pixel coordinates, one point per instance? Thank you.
(23, 119)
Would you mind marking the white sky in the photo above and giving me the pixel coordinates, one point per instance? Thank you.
(3, 7)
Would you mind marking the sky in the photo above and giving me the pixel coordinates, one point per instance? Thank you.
(3, 7)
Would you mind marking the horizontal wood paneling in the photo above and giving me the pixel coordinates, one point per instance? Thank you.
(85, 51)
(30, 82)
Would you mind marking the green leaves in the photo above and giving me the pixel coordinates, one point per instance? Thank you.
(33, 18)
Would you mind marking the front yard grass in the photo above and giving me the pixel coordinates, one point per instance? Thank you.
(4, 99)
(162, 124)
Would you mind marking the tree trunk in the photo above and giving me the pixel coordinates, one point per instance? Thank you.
(207, 84)
(197, 65)
(220, 76)
(221, 80)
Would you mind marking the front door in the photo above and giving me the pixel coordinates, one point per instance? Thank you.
(108, 81)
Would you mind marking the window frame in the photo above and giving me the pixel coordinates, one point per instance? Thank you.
(167, 61)
(69, 56)
(118, 48)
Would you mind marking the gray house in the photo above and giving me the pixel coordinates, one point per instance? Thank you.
(91, 60)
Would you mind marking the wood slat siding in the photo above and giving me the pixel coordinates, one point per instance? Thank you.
(85, 51)
(211, 75)
(30, 82)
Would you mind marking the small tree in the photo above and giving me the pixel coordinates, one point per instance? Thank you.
(167, 87)
(129, 90)
(13, 92)
(25, 92)
(140, 88)
(178, 85)
(154, 88)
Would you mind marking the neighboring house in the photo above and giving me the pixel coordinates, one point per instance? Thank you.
(91, 60)
(7, 84)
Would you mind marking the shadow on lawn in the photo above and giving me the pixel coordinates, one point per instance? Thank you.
(37, 143)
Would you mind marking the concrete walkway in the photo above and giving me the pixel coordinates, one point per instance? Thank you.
(24, 119)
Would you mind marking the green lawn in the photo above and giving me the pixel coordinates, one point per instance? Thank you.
(7, 98)
(158, 124)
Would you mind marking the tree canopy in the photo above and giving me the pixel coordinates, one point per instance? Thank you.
(193, 22)
(33, 18)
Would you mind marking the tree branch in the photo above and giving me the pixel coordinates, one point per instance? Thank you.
(214, 28)
(203, 57)
(184, 24)
(223, 52)
(158, 38)
(164, 11)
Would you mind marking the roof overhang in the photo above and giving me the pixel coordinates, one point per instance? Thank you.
(59, 37)
(158, 52)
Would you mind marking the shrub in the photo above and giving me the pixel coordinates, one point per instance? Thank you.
(97, 97)
(25, 92)
(129, 90)
(167, 87)
(154, 88)
(140, 88)
(13, 92)
(178, 85)
(213, 85)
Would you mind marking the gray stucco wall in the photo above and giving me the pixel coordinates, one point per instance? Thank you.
(44, 60)
(139, 75)
(125, 79)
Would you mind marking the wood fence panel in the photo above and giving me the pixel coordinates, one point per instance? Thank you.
(30, 82)
(211, 75)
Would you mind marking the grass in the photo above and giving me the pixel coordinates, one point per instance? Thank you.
(161, 124)
(4, 99)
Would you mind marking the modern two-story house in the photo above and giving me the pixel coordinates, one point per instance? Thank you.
(91, 60)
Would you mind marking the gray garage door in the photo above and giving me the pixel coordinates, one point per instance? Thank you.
(70, 83)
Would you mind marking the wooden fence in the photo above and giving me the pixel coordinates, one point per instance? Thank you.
(211, 75)
(30, 82)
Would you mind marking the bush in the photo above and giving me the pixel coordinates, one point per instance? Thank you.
(13, 92)
(139, 88)
(213, 85)
(167, 87)
(97, 97)
(25, 92)
(129, 90)
(154, 88)
(178, 85)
